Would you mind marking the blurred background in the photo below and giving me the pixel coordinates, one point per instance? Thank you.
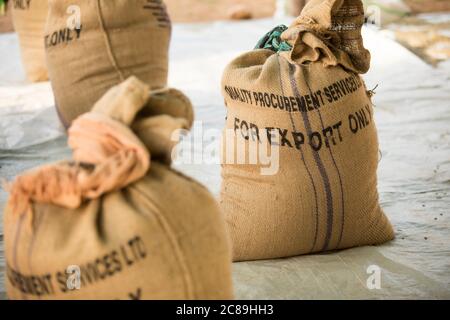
(411, 22)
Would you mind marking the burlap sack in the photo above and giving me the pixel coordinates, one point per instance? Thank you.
(29, 17)
(128, 228)
(110, 41)
(311, 101)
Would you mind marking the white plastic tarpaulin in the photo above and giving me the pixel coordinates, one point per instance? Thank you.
(413, 118)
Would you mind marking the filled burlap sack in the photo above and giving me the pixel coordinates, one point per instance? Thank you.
(29, 17)
(117, 217)
(303, 97)
(111, 40)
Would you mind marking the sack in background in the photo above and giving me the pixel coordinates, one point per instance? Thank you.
(29, 19)
(304, 94)
(117, 222)
(108, 42)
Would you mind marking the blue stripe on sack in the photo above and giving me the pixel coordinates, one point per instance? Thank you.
(319, 163)
(316, 232)
(337, 170)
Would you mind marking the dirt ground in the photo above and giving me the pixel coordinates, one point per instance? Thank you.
(210, 10)
(418, 6)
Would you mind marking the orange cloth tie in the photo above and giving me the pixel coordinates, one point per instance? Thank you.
(107, 157)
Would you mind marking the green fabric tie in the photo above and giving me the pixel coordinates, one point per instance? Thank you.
(272, 40)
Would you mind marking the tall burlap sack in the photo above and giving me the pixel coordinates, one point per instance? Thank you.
(115, 39)
(311, 101)
(129, 228)
(29, 17)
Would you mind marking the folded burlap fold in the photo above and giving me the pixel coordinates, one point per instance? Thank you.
(329, 31)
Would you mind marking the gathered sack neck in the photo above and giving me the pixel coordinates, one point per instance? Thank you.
(329, 31)
(111, 146)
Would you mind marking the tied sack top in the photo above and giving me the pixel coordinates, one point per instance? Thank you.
(107, 154)
(329, 31)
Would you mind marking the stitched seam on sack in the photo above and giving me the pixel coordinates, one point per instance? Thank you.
(304, 163)
(111, 56)
(174, 243)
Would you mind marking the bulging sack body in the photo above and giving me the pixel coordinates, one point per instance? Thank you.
(29, 17)
(303, 103)
(112, 225)
(94, 45)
